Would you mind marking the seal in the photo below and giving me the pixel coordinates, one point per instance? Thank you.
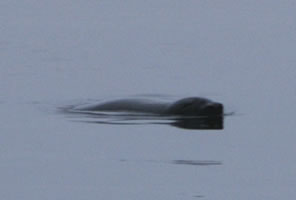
(191, 106)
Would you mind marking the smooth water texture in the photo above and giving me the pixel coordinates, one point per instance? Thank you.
(61, 53)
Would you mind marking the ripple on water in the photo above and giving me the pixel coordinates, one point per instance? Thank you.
(132, 118)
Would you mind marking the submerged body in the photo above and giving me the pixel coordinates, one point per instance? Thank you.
(192, 106)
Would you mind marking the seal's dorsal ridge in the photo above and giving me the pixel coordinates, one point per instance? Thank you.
(193, 106)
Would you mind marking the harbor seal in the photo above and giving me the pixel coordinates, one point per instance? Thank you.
(192, 106)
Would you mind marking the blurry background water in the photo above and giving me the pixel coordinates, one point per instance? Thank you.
(55, 53)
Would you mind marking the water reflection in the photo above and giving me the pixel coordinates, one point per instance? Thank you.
(197, 162)
(113, 118)
(199, 123)
(180, 162)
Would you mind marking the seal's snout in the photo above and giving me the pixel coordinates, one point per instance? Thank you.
(214, 109)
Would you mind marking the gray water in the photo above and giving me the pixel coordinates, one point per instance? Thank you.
(59, 53)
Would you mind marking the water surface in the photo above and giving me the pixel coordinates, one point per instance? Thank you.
(61, 53)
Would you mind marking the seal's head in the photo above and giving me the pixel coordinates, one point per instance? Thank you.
(195, 106)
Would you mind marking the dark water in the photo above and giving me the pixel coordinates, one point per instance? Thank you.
(60, 53)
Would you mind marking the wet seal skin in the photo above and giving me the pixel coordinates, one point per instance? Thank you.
(192, 106)
(188, 113)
